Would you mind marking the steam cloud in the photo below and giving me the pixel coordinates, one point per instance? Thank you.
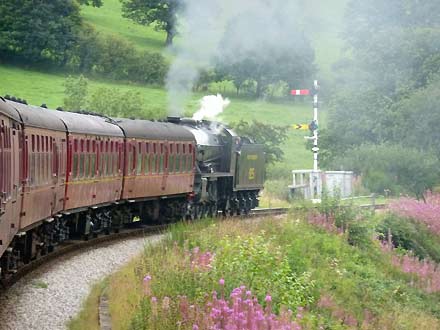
(211, 106)
(229, 30)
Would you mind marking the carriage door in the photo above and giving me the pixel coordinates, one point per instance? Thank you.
(164, 150)
(17, 164)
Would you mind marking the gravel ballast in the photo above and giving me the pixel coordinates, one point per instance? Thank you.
(49, 297)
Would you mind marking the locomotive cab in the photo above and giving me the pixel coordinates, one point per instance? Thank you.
(229, 168)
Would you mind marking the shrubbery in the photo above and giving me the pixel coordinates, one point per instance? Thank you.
(107, 101)
(398, 168)
(115, 58)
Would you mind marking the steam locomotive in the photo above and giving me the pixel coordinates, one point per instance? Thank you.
(67, 175)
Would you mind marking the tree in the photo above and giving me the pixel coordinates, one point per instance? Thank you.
(160, 13)
(395, 53)
(269, 135)
(38, 31)
(397, 167)
(107, 101)
(94, 3)
(75, 93)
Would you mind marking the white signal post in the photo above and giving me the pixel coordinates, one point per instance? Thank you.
(315, 148)
(314, 124)
(314, 128)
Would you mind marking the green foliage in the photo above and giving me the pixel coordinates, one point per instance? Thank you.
(111, 102)
(416, 120)
(160, 13)
(38, 31)
(348, 218)
(76, 90)
(269, 135)
(115, 58)
(394, 167)
(148, 68)
(265, 72)
(258, 263)
(94, 3)
(390, 95)
(265, 256)
(410, 235)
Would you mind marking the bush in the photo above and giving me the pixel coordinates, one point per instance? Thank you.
(115, 58)
(114, 103)
(335, 217)
(394, 167)
(149, 68)
(411, 236)
(75, 93)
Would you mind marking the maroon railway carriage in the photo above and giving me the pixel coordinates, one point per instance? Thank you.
(10, 174)
(159, 159)
(94, 161)
(43, 165)
(159, 170)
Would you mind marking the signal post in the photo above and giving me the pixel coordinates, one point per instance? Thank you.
(313, 127)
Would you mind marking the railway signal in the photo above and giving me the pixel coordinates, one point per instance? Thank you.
(297, 92)
(303, 127)
(313, 126)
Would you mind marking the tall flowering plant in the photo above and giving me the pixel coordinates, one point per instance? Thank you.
(427, 273)
(427, 211)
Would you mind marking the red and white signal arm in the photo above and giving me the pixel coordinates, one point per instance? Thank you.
(300, 92)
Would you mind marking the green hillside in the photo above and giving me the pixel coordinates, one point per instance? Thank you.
(34, 87)
(39, 87)
(108, 20)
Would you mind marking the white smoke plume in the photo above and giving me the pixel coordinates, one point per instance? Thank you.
(211, 106)
(227, 29)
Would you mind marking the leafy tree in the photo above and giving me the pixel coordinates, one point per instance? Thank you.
(269, 135)
(108, 101)
(150, 68)
(38, 31)
(400, 168)
(160, 13)
(86, 53)
(75, 93)
(94, 3)
(416, 120)
(389, 82)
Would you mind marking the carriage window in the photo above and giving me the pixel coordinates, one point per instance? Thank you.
(188, 163)
(93, 165)
(81, 165)
(153, 159)
(146, 163)
(139, 159)
(109, 161)
(171, 164)
(183, 164)
(86, 166)
(161, 164)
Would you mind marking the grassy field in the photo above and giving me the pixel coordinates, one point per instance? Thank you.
(34, 87)
(108, 20)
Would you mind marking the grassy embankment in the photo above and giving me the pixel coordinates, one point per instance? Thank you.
(331, 280)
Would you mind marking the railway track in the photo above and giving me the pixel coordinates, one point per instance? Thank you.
(73, 246)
